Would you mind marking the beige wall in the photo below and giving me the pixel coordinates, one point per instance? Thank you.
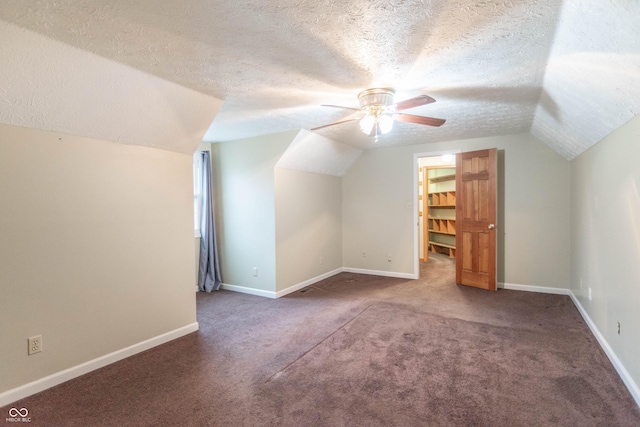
(605, 250)
(308, 225)
(377, 211)
(533, 213)
(96, 250)
(244, 182)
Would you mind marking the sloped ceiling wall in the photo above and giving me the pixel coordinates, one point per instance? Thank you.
(592, 80)
(49, 85)
(310, 152)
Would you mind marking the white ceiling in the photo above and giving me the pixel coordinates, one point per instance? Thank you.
(568, 72)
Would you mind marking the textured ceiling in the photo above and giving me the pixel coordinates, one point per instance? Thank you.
(494, 67)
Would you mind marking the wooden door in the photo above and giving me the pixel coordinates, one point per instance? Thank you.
(476, 187)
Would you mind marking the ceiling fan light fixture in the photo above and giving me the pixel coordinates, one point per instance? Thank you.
(367, 123)
(386, 123)
(382, 123)
(375, 102)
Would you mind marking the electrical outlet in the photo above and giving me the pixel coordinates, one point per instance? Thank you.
(581, 283)
(589, 294)
(388, 257)
(618, 328)
(35, 345)
(255, 271)
(364, 254)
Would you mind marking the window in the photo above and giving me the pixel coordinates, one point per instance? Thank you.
(197, 191)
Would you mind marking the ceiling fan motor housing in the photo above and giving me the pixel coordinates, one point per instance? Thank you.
(380, 97)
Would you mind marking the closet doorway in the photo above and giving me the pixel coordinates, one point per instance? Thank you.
(436, 206)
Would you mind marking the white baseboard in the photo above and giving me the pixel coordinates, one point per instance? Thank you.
(379, 273)
(617, 364)
(37, 386)
(250, 291)
(539, 289)
(309, 282)
(290, 289)
(301, 285)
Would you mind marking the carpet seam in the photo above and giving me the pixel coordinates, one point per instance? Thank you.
(317, 344)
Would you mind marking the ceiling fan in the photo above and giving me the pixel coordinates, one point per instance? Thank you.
(380, 112)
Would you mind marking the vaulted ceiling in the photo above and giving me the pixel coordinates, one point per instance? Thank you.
(566, 71)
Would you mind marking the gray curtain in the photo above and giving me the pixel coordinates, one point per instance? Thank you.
(209, 278)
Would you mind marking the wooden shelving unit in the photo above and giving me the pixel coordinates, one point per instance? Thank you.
(443, 199)
(442, 226)
(441, 222)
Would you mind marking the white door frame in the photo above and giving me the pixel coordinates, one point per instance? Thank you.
(416, 202)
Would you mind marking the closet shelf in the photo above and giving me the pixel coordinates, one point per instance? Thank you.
(443, 225)
(442, 198)
(442, 178)
(442, 245)
(444, 248)
(442, 232)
